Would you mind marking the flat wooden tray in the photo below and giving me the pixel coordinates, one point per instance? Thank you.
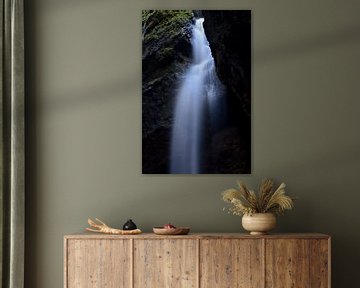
(171, 231)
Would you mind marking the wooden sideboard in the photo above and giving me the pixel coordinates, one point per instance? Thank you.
(197, 260)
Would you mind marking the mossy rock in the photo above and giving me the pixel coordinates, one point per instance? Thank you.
(167, 51)
(166, 36)
(164, 23)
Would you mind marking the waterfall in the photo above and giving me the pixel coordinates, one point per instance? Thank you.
(200, 95)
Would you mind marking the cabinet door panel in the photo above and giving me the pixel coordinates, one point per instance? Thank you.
(287, 263)
(231, 263)
(319, 263)
(98, 264)
(166, 263)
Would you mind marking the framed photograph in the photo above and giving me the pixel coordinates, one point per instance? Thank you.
(196, 91)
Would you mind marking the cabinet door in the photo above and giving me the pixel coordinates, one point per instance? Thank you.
(231, 263)
(320, 263)
(287, 263)
(98, 263)
(165, 263)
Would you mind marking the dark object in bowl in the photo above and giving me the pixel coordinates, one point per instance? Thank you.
(129, 225)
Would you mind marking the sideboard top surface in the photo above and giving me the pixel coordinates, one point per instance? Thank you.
(87, 235)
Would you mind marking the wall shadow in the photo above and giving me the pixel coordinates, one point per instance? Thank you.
(317, 42)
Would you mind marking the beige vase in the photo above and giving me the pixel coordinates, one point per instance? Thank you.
(259, 223)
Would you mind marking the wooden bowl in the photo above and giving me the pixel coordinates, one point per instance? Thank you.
(171, 231)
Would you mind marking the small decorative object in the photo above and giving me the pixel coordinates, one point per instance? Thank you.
(258, 210)
(101, 227)
(169, 226)
(169, 229)
(129, 225)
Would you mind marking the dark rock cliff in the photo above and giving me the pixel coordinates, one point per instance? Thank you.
(229, 36)
(166, 36)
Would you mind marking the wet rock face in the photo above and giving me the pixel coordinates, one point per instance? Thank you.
(227, 31)
(167, 50)
(229, 36)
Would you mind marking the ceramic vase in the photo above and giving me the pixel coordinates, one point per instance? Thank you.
(259, 223)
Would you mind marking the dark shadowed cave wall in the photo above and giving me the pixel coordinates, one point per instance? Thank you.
(166, 55)
(83, 73)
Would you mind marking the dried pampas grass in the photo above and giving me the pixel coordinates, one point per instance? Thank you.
(245, 201)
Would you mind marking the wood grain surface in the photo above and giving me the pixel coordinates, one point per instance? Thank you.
(287, 263)
(165, 263)
(197, 261)
(231, 263)
(319, 263)
(89, 235)
(98, 263)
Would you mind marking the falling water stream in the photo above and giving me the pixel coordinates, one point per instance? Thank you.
(199, 97)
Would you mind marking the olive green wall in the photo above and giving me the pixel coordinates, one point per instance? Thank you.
(84, 126)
